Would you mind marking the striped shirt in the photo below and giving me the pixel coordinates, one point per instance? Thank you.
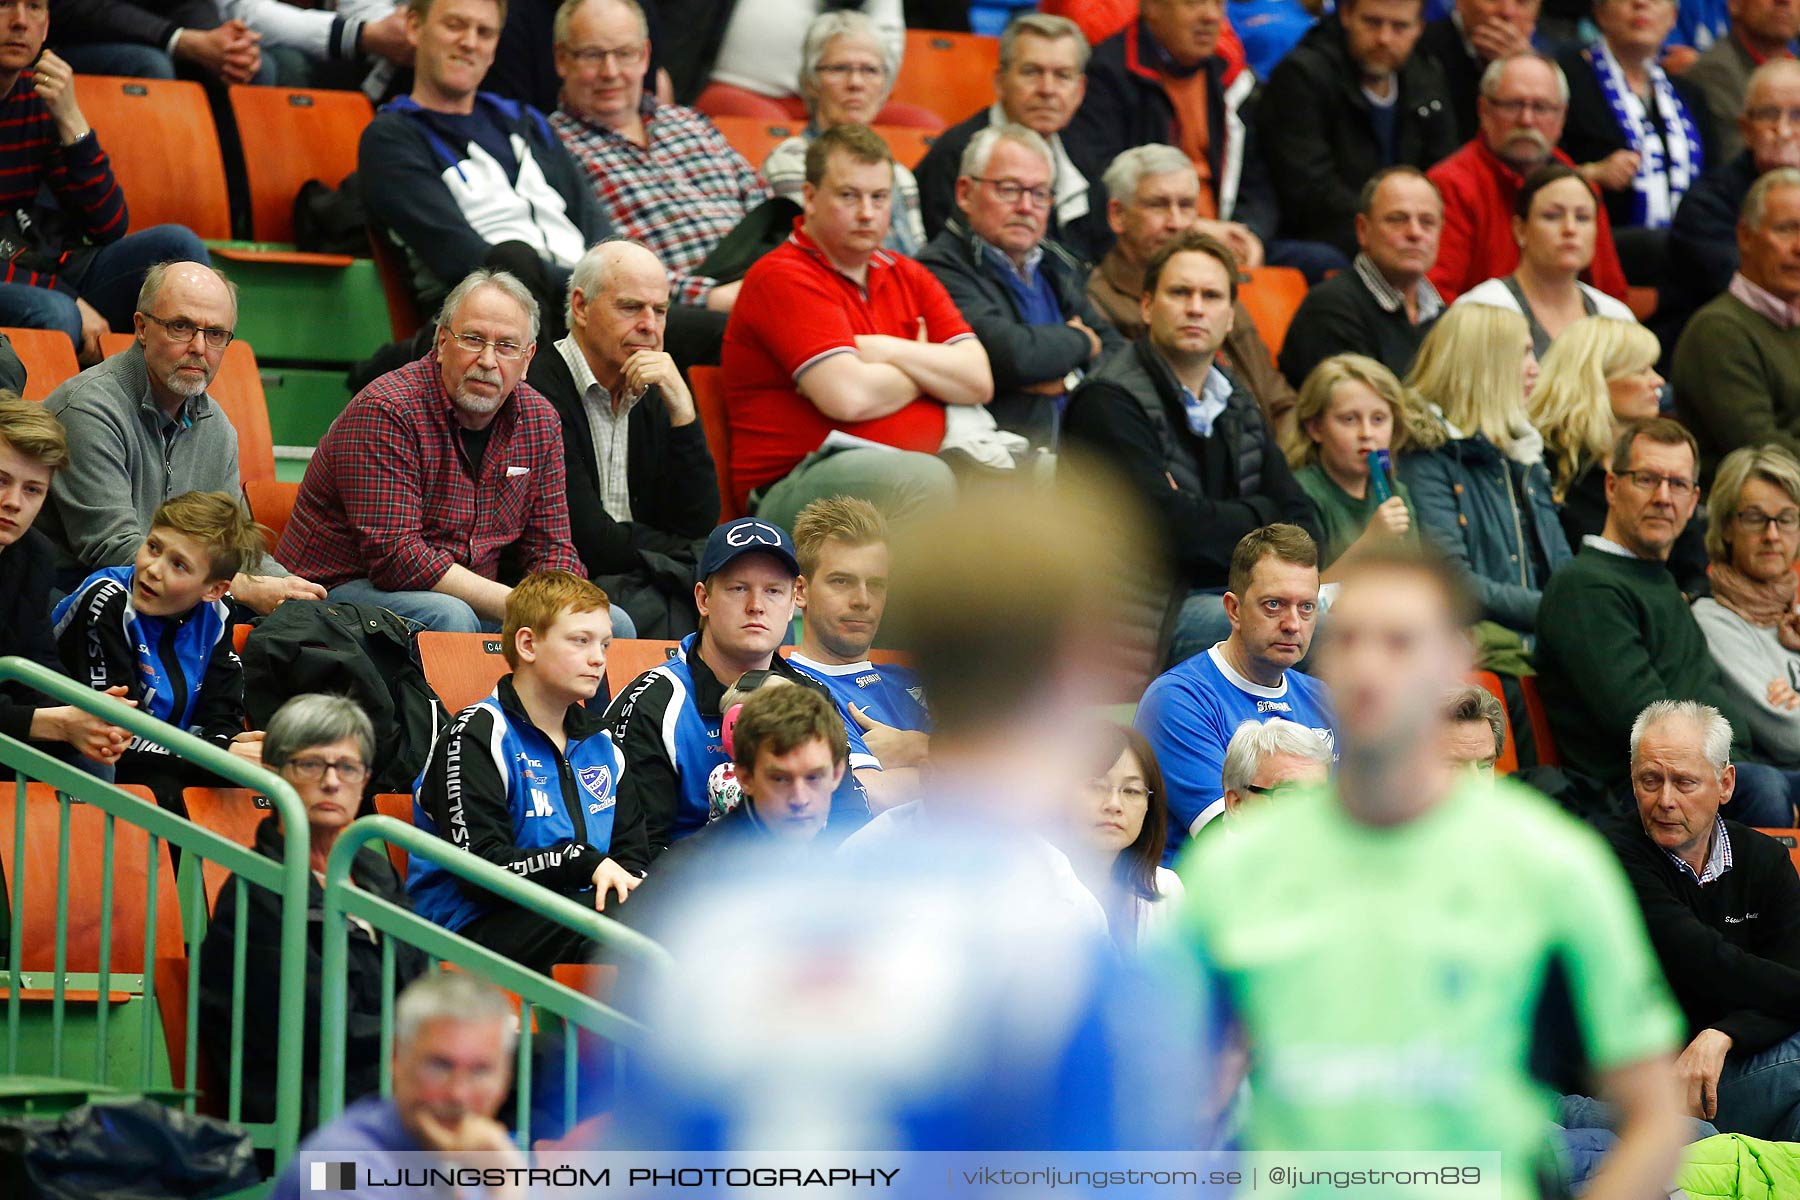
(32, 158)
(679, 193)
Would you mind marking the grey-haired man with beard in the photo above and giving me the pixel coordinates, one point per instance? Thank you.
(142, 428)
(434, 469)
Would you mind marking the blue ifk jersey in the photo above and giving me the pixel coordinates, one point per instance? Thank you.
(887, 693)
(1189, 713)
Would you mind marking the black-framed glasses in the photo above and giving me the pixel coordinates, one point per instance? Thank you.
(1010, 191)
(313, 769)
(594, 56)
(1755, 520)
(1649, 481)
(474, 343)
(181, 331)
(1274, 789)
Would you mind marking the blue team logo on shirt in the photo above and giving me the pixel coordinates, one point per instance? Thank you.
(598, 782)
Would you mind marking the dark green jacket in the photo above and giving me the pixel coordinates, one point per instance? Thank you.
(1615, 634)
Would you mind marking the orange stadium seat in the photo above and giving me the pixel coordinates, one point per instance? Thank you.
(238, 389)
(240, 636)
(404, 316)
(754, 137)
(398, 805)
(728, 100)
(950, 74)
(1643, 302)
(272, 505)
(299, 135)
(1540, 723)
(462, 668)
(130, 873)
(709, 398)
(48, 356)
(1273, 296)
(172, 1008)
(231, 813)
(1508, 762)
(164, 149)
(907, 143)
(630, 657)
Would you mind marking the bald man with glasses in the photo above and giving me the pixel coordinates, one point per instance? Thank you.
(142, 428)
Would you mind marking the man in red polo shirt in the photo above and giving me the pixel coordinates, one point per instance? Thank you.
(1524, 98)
(834, 336)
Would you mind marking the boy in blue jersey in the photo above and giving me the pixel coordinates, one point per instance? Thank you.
(669, 721)
(529, 780)
(1190, 711)
(161, 630)
(842, 545)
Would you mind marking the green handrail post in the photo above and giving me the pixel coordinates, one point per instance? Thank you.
(534, 989)
(290, 878)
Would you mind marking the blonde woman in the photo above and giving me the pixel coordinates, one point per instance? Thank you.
(1599, 377)
(1350, 406)
(1476, 470)
(846, 73)
(1750, 621)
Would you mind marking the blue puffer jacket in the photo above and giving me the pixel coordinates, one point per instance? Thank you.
(1496, 517)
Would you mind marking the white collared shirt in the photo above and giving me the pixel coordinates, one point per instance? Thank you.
(611, 431)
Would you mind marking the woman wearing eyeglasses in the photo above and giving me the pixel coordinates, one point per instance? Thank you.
(1751, 622)
(322, 746)
(1115, 835)
(846, 73)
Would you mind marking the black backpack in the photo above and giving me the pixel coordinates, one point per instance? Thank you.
(359, 651)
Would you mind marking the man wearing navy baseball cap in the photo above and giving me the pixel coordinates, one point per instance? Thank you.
(668, 721)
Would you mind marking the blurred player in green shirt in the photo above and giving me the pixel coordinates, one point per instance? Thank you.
(1419, 959)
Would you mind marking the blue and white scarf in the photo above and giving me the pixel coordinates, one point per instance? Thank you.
(1662, 178)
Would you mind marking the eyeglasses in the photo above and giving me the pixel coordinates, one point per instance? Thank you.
(474, 343)
(1537, 108)
(313, 769)
(594, 56)
(1755, 520)
(182, 331)
(1274, 789)
(1772, 114)
(842, 71)
(1010, 191)
(1131, 793)
(1649, 481)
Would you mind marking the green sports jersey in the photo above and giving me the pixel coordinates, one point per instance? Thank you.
(1393, 982)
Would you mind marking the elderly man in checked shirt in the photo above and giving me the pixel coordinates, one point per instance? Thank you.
(664, 174)
(436, 468)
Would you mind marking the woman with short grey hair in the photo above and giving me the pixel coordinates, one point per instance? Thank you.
(846, 74)
(322, 746)
(1751, 621)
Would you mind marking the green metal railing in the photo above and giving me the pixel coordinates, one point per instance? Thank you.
(288, 878)
(537, 993)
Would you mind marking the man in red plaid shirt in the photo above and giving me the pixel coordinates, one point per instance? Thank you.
(664, 173)
(436, 468)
